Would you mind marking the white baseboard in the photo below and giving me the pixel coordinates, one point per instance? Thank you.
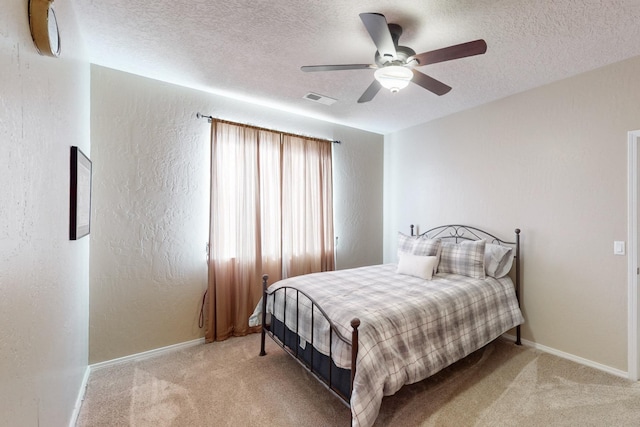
(573, 358)
(137, 356)
(146, 354)
(83, 389)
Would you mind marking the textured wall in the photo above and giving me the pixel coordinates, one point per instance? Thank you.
(44, 277)
(151, 186)
(358, 181)
(551, 161)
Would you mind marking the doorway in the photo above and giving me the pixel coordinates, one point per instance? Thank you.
(633, 360)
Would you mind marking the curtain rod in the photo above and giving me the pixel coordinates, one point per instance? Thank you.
(202, 116)
(210, 118)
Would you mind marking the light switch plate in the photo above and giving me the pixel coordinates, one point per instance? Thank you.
(618, 248)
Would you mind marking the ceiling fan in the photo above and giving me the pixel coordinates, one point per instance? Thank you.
(395, 65)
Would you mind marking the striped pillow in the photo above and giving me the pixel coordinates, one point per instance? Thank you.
(466, 258)
(497, 260)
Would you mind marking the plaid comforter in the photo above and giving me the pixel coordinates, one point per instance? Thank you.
(410, 328)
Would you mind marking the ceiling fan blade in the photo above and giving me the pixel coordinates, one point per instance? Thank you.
(371, 91)
(429, 83)
(376, 25)
(476, 47)
(309, 68)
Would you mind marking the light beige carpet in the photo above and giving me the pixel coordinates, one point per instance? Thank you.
(228, 384)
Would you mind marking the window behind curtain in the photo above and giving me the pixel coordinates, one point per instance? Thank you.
(271, 212)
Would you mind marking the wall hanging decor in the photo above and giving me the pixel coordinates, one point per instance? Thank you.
(80, 200)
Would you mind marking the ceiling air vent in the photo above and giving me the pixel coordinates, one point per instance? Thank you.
(315, 97)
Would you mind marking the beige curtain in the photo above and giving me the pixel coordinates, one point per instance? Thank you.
(271, 212)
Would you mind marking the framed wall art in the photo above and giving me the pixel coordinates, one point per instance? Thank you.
(80, 200)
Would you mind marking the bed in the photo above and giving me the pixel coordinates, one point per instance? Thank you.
(366, 332)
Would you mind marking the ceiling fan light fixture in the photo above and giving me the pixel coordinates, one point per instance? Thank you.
(393, 77)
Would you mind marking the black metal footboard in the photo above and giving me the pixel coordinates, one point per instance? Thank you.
(338, 380)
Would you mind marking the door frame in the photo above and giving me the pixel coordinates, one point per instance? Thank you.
(632, 256)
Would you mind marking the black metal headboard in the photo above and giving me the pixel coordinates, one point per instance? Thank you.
(458, 232)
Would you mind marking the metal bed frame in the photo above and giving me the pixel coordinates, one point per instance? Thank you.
(310, 359)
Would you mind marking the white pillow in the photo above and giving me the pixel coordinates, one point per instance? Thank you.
(416, 265)
(497, 260)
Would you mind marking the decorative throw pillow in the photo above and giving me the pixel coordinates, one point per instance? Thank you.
(416, 265)
(425, 246)
(405, 243)
(497, 260)
(465, 258)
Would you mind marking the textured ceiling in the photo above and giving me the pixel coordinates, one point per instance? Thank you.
(253, 50)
